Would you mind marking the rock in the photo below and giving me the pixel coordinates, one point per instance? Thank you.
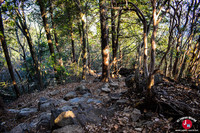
(77, 100)
(70, 129)
(47, 106)
(13, 111)
(95, 101)
(43, 125)
(89, 114)
(54, 115)
(114, 85)
(114, 96)
(65, 118)
(89, 117)
(66, 108)
(130, 80)
(43, 100)
(135, 115)
(105, 88)
(21, 128)
(70, 95)
(122, 101)
(126, 72)
(82, 90)
(25, 112)
(33, 125)
(139, 129)
(53, 93)
(87, 95)
(158, 78)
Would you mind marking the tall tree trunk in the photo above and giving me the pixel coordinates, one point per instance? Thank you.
(114, 40)
(55, 33)
(104, 41)
(153, 48)
(5, 50)
(47, 30)
(84, 44)
(72, 42)
(88, 44)
(145, 34)
(175, 69)
(26, 33)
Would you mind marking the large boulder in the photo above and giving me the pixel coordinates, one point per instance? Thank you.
(45, 105)
(89, 114)
(69, 129)
(43, 126)
(65, 118)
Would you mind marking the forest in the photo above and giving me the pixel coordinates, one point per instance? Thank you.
(121, 66)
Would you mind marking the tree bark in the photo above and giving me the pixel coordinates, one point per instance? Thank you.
(72, 42)
(114, 40)
(47, 31)
(5, 50)
(104, 41)
(55, 33)
(26, 33)
(153, 48)
(84, 56)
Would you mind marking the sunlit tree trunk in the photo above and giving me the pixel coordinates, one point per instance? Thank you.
(47, 31)
(104, 41)
(153, 48)
(5, 50)
(84, 44)
(114, 40)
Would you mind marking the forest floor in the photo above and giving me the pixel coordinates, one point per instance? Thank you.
(125, 112)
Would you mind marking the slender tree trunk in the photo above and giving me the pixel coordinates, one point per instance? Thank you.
(5, 50)
(26, 33)
(84, 44)
(20, 80)
(175, 69)
(117, 39)
(55, 34)
(47, 30)
(153, 48)
(88, 45)
(104, 41)
(171, 62)
(114, 41)
(72, 42)
(146, 73)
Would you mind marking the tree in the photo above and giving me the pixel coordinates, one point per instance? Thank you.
(104, 40)
(23, 27)
(47, 31)
(156, 20)
(5, 50)
(55, 33)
